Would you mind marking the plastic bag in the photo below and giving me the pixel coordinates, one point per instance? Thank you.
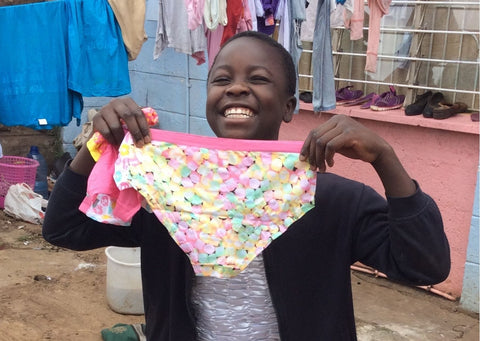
(23, 203)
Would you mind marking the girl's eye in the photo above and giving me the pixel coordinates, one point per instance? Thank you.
(259, 79)
(220, 80)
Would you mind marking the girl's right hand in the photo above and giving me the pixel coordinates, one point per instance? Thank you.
(119, 111)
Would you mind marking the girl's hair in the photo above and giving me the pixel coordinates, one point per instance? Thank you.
(286, 58)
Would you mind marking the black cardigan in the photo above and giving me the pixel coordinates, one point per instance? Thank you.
(307, 268)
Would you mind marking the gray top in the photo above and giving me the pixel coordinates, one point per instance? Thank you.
(236, 308)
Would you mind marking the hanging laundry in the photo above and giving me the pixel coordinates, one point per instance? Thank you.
(323, 77)
(172, 31)
(130, 15)
(195, 10)
(297, 16)
(266, 22)
(253, 14)
(215, 13)
(355, 21)
(239, 19)
(214, 37)
(283, 16)
(97, 56)
(34, 67)
(337, 16)
(378, 8)
(308, 25)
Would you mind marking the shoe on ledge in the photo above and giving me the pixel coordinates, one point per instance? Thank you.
(432, 103)
(389, 101)
(306, 97)
(360, 100)
(417, 107)
(445, 110)
(344, 95)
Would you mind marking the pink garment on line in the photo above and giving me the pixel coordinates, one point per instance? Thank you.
(194, 12)
(378, 8)
(214, 37)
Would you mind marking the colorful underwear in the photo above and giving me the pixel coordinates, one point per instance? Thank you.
(104, 201)
(223, 201)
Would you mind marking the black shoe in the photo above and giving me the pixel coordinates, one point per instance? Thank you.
(432, 103)
(306, 97)
(416, 108)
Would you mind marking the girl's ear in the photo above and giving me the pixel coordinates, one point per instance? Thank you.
(290, 105)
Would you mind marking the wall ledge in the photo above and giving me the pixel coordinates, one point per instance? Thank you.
(459, 123)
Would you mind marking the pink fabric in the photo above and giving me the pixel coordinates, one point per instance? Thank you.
(101, 181)
(220, 143)
(378, 8)
(355, 23)
(104, 199)
(194, 12)
(246, 24)
(214, 37)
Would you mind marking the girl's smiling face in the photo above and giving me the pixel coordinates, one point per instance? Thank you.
(247, 94)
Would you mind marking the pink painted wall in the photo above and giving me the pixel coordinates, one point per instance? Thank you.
(441, 155)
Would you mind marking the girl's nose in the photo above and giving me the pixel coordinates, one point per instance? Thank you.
(238, 88)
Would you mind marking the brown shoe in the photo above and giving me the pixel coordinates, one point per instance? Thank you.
(445, 110)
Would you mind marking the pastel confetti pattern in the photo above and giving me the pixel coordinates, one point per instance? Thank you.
(221, 207)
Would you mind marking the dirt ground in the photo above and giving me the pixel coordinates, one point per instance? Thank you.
(49, 293)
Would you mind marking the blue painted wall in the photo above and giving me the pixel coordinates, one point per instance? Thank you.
(470, 290)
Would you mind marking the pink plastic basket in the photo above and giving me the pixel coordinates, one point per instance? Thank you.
(15, 170)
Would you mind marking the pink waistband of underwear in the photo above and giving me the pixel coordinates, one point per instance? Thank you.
(220, 143)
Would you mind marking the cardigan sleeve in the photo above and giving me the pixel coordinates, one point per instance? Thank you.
(66, 226)
(402, 237)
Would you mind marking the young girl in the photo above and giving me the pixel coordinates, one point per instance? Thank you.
(299, 287)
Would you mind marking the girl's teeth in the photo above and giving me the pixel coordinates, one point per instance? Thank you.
(238, 113)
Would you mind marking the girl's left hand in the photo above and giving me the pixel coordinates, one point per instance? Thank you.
(342, 134)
